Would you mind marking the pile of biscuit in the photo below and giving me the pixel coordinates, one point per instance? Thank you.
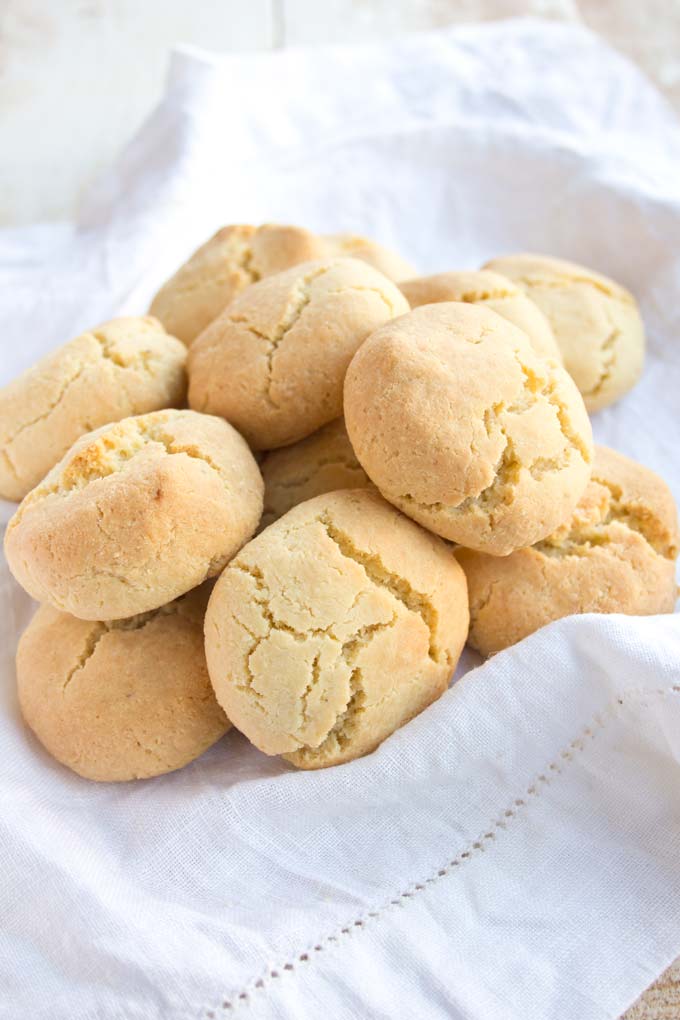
(374, 468)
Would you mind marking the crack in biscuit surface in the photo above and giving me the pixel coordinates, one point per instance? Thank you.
(582, 536)
(332, 615)
(262, 599)
(80, 368)
(608, 353)
(340, 733)
(472, 297)
(106, 349)
(615, 553)
(377, 576)
(346, 651)
(563, 281)
(399, 587)
(508, 467)
(191, 277)
(386, 300)
(110, 453)
(608, 347)
(301, 297)
(103, 627)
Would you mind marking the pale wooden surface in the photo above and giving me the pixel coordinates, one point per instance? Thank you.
(77, 78)
(662, 1000)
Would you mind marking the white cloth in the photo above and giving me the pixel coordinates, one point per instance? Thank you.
(511, 854)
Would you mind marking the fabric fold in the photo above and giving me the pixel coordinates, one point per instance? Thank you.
(510, 854)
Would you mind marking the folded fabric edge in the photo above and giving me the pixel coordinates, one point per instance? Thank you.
(276, 979)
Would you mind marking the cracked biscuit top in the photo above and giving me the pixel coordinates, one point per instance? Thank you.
(121, 700)
(466, 429)
(273, 363)
(230, 261)
(615, 555)
(596, 323)
(126, 366)
(239, 255)
(323, 462)
(493, 290)
(136, 514)
(335, 626)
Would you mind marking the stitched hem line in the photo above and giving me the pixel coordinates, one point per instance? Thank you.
(250, 992)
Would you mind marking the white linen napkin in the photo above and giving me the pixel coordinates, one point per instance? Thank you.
(514, 852)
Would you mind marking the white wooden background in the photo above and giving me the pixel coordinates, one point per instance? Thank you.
(77, 78)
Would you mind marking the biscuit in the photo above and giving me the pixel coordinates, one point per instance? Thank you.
(616, 555)
(122, 700)
(126, 366)
(136, 514)
(388, 262)
(466, 429)
(273, 363)
(332, 628)
(493, 290)
(239, 255)
(230, 261)
(323, 462)
(596, 323)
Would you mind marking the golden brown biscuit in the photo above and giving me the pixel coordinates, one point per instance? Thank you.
(493, 290)
(323, 462)
(126, 366)
(388, 262)
(230, 261)
(465, 428)
(121, 700)
(616, 555)
(136, 514)
(273, 363)
(596, 323)
(239, 255)
(335, 626)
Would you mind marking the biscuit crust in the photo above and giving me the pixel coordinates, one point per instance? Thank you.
(241, 254)
(126, 699)
(136, 514)
(332, 628)
(323, 462)
(226, 264)
(123, 367)
(497, 292)
(273, 363)
(616, 555)
(596, 323)
(461, 425)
